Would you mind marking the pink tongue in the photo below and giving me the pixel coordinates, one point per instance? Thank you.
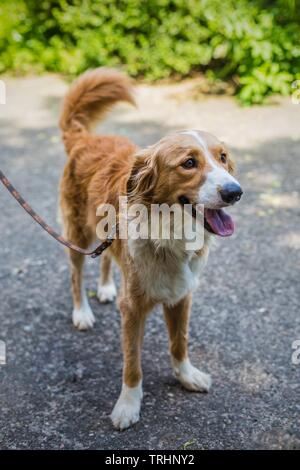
(220, 222)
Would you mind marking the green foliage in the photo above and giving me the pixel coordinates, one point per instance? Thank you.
(255, 45)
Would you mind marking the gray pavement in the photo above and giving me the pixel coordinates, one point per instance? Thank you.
(59, 385)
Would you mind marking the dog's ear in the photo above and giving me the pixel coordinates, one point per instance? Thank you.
(143, 177)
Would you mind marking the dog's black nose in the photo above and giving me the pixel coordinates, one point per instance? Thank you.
(231, 193)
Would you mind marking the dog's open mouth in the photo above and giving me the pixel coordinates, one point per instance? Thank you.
(218, 222)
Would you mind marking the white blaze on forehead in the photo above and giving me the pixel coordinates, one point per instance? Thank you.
(216, 178)
(200, 140)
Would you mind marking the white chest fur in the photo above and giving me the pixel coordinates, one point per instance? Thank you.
(166, 274)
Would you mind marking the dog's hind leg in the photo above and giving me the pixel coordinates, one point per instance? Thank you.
(177, 320)
(83, 317)
(106, 287)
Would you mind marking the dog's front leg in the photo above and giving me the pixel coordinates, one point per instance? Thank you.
(127, 409)
(177, 319)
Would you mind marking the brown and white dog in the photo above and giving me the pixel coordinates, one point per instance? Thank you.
(190, 164)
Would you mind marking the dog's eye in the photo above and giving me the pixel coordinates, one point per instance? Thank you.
(189, 163)
(223, 157)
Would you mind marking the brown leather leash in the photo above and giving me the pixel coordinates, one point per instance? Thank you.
(94, 254)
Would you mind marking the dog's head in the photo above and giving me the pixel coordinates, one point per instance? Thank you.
(188, 167)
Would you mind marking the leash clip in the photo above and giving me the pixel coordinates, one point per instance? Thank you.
(106, 244)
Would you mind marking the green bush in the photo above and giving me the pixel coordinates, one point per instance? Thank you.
(255, 45)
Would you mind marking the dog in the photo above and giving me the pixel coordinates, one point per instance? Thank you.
(190, 166)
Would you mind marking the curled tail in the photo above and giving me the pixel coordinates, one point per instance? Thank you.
(89, 97)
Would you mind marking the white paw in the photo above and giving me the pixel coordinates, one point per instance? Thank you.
(106, 292)
(126, 411)
(191, 377)
(125, 415)
(83, 318)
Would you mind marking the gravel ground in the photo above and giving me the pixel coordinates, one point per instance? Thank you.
(59, 385)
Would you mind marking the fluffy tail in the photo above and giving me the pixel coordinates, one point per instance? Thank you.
(88, 99)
